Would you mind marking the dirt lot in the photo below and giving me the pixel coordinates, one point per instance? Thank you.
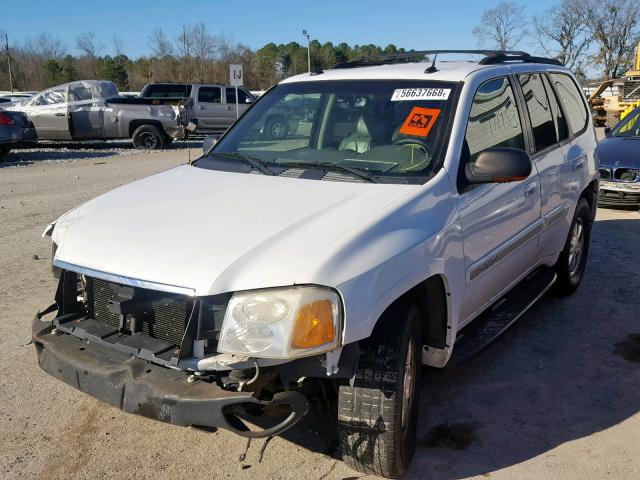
(558, 396)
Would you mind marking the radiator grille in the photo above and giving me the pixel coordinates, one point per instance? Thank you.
(164, 315)
(605, 174)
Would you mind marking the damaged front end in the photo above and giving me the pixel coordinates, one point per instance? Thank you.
(152, 350)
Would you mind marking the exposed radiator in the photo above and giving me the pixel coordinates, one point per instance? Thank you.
(161, 315)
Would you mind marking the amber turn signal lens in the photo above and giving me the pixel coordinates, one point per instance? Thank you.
(314, 325)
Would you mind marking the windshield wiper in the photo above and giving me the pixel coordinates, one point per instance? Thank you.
(332, 166)
(254, 162)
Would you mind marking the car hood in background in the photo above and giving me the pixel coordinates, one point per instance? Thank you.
(214, 231)
(619, 152)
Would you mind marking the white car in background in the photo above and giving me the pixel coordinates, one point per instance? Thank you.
(411, 211)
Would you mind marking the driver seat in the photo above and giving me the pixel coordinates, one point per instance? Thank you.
(359, 141)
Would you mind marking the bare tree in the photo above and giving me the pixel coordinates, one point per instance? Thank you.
(89, 45)
(46, 46)
(615, 26)
(159, 43)
(562, 33)
(503, 26)
(118, 45)
(184, 45)
(204, 47)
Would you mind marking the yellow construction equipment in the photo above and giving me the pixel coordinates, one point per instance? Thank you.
(611, 109)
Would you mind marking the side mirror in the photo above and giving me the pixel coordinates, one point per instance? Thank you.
(499, 165)
(249, 100)
(607, 131)
(208, 142)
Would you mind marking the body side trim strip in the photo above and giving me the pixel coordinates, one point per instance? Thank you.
(502, 252)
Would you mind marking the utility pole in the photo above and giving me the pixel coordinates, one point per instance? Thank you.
(6, 49)
(305, 32)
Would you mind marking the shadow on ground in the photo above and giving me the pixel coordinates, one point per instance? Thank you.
(566, 370)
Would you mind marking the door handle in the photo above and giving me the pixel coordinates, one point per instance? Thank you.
(228, 108)
(60, 114)
(201, 107)
(530, 189)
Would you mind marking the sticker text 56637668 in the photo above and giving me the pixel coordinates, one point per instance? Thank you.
(408, 94)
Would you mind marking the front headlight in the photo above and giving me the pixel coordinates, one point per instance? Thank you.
(282, 323)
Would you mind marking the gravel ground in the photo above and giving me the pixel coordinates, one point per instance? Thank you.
(556, 397)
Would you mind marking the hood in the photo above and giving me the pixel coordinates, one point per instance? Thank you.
(619, 152)
(214, 231)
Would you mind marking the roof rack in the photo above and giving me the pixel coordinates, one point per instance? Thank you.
(490, 57)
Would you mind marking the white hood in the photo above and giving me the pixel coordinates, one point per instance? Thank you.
(214, 231)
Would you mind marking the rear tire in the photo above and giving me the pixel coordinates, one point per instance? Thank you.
(148, 137)
(378, 413)
(4, 152)
(573, 258)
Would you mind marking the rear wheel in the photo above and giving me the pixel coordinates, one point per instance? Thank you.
(148, 137)
(4, 152)
(378, 413)
(573, 258)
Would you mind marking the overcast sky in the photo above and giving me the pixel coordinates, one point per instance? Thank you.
(423, 25)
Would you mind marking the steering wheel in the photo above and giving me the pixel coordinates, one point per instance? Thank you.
(420, 153)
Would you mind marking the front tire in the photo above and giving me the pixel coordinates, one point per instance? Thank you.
(148, 137)
(276, 128)
(378, 410)
(572, 262)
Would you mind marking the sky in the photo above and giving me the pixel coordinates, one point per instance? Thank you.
(423, 25)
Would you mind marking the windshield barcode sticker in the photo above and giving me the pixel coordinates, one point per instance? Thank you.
(407, 94)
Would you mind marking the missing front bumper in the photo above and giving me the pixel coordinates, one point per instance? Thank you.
(140, 387)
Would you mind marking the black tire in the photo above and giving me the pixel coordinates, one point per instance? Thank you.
(373, 437)
(276, 128)
(4, 152)
(148, 137)
(569, 268)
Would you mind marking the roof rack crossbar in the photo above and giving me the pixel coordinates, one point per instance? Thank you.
(490, 57)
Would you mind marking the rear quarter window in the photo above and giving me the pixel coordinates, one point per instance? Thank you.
(572, 100)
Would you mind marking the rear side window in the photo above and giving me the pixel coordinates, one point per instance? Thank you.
(168, 91)
(572, 101)
(209, 94)
(494, 119)
(544, 130)
(562, 129)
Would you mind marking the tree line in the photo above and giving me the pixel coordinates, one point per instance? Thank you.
(195, 55)
(589, 36)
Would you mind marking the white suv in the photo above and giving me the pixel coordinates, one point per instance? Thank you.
(405, 199)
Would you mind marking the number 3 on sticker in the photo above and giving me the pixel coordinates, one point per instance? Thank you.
(420, 121)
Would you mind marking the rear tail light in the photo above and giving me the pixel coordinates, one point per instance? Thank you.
(6, 119)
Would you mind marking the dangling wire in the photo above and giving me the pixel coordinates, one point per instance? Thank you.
(264, 446)
(243, 456)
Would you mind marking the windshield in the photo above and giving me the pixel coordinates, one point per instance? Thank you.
(629, 127)
(388, 129)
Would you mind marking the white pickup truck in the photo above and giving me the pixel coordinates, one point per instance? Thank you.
(370, 240)
(93, 110)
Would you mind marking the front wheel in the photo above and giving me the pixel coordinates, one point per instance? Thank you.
(573, 258)
(148, 137)
(378, 409)
(276, 128)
